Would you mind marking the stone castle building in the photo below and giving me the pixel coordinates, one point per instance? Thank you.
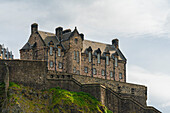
(64, 59)
(5, 53)
(68, 51)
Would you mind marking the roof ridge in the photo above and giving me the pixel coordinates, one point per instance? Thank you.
(98, 42)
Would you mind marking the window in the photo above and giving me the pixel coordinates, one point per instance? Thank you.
(78, 72)
(76, 40)
(103, 72)
(111, 74)
(74, 70)
(60, 65)
(107, 60)
(120, 76)
(51, 50)
(77, 56)
(86, 69)
(59, 52)
(116, 62)
(132, 91)
(51, 64)
(89, 56)
(98, 58)
(94, 71)
(74, 55)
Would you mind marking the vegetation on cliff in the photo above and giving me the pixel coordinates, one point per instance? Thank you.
(55, 100)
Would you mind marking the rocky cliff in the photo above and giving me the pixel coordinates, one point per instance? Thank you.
(23, 99)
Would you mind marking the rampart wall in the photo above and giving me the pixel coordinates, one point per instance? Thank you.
(31, 73)
(116, 96)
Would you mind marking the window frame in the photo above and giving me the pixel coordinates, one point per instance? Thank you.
(90, 56)
(98, 58)
(51, 50)
(86, 69)
(74, 55)
(60, 65)
(78, 56)
(120, 75)
(51, 64)
(94, 71)
(111, 75)
(107, 60)
(116, 62)
(103, 72)
(59, 51)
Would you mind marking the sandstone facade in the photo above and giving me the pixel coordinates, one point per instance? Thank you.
(67, 51)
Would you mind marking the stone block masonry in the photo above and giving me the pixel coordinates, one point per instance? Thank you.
(119, 97)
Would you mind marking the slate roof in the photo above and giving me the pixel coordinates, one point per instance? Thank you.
(26, 46)
(103, 47)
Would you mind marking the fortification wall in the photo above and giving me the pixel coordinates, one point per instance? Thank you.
(31, 73)
(138, 92)
(113, 100)
(35, 74)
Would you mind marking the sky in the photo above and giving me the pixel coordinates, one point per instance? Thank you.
(142, 27)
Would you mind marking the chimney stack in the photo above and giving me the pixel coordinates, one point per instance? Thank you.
(34, 28)
(82, 36)
(115, 43)
(59, 33)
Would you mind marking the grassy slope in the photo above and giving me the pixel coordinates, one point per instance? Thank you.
(26, 99)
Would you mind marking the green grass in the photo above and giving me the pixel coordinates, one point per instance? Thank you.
(58, 100)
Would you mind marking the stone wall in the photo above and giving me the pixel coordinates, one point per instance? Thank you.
(113, 100)
(137, 92)
(31, 73)
(117, 96)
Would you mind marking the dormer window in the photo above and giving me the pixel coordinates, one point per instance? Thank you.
(59, 52)
(89, 56)
(51, 50)
(116, 62)
(107, 60)
(98, 58)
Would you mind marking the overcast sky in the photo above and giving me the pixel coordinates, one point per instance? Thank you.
(142, 27)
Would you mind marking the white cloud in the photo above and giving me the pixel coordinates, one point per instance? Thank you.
(157, 83)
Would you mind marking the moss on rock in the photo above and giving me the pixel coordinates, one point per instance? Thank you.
(27, 99)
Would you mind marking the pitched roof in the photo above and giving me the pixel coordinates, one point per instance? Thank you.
(103, 47)
(26, 46)
(47, 37)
